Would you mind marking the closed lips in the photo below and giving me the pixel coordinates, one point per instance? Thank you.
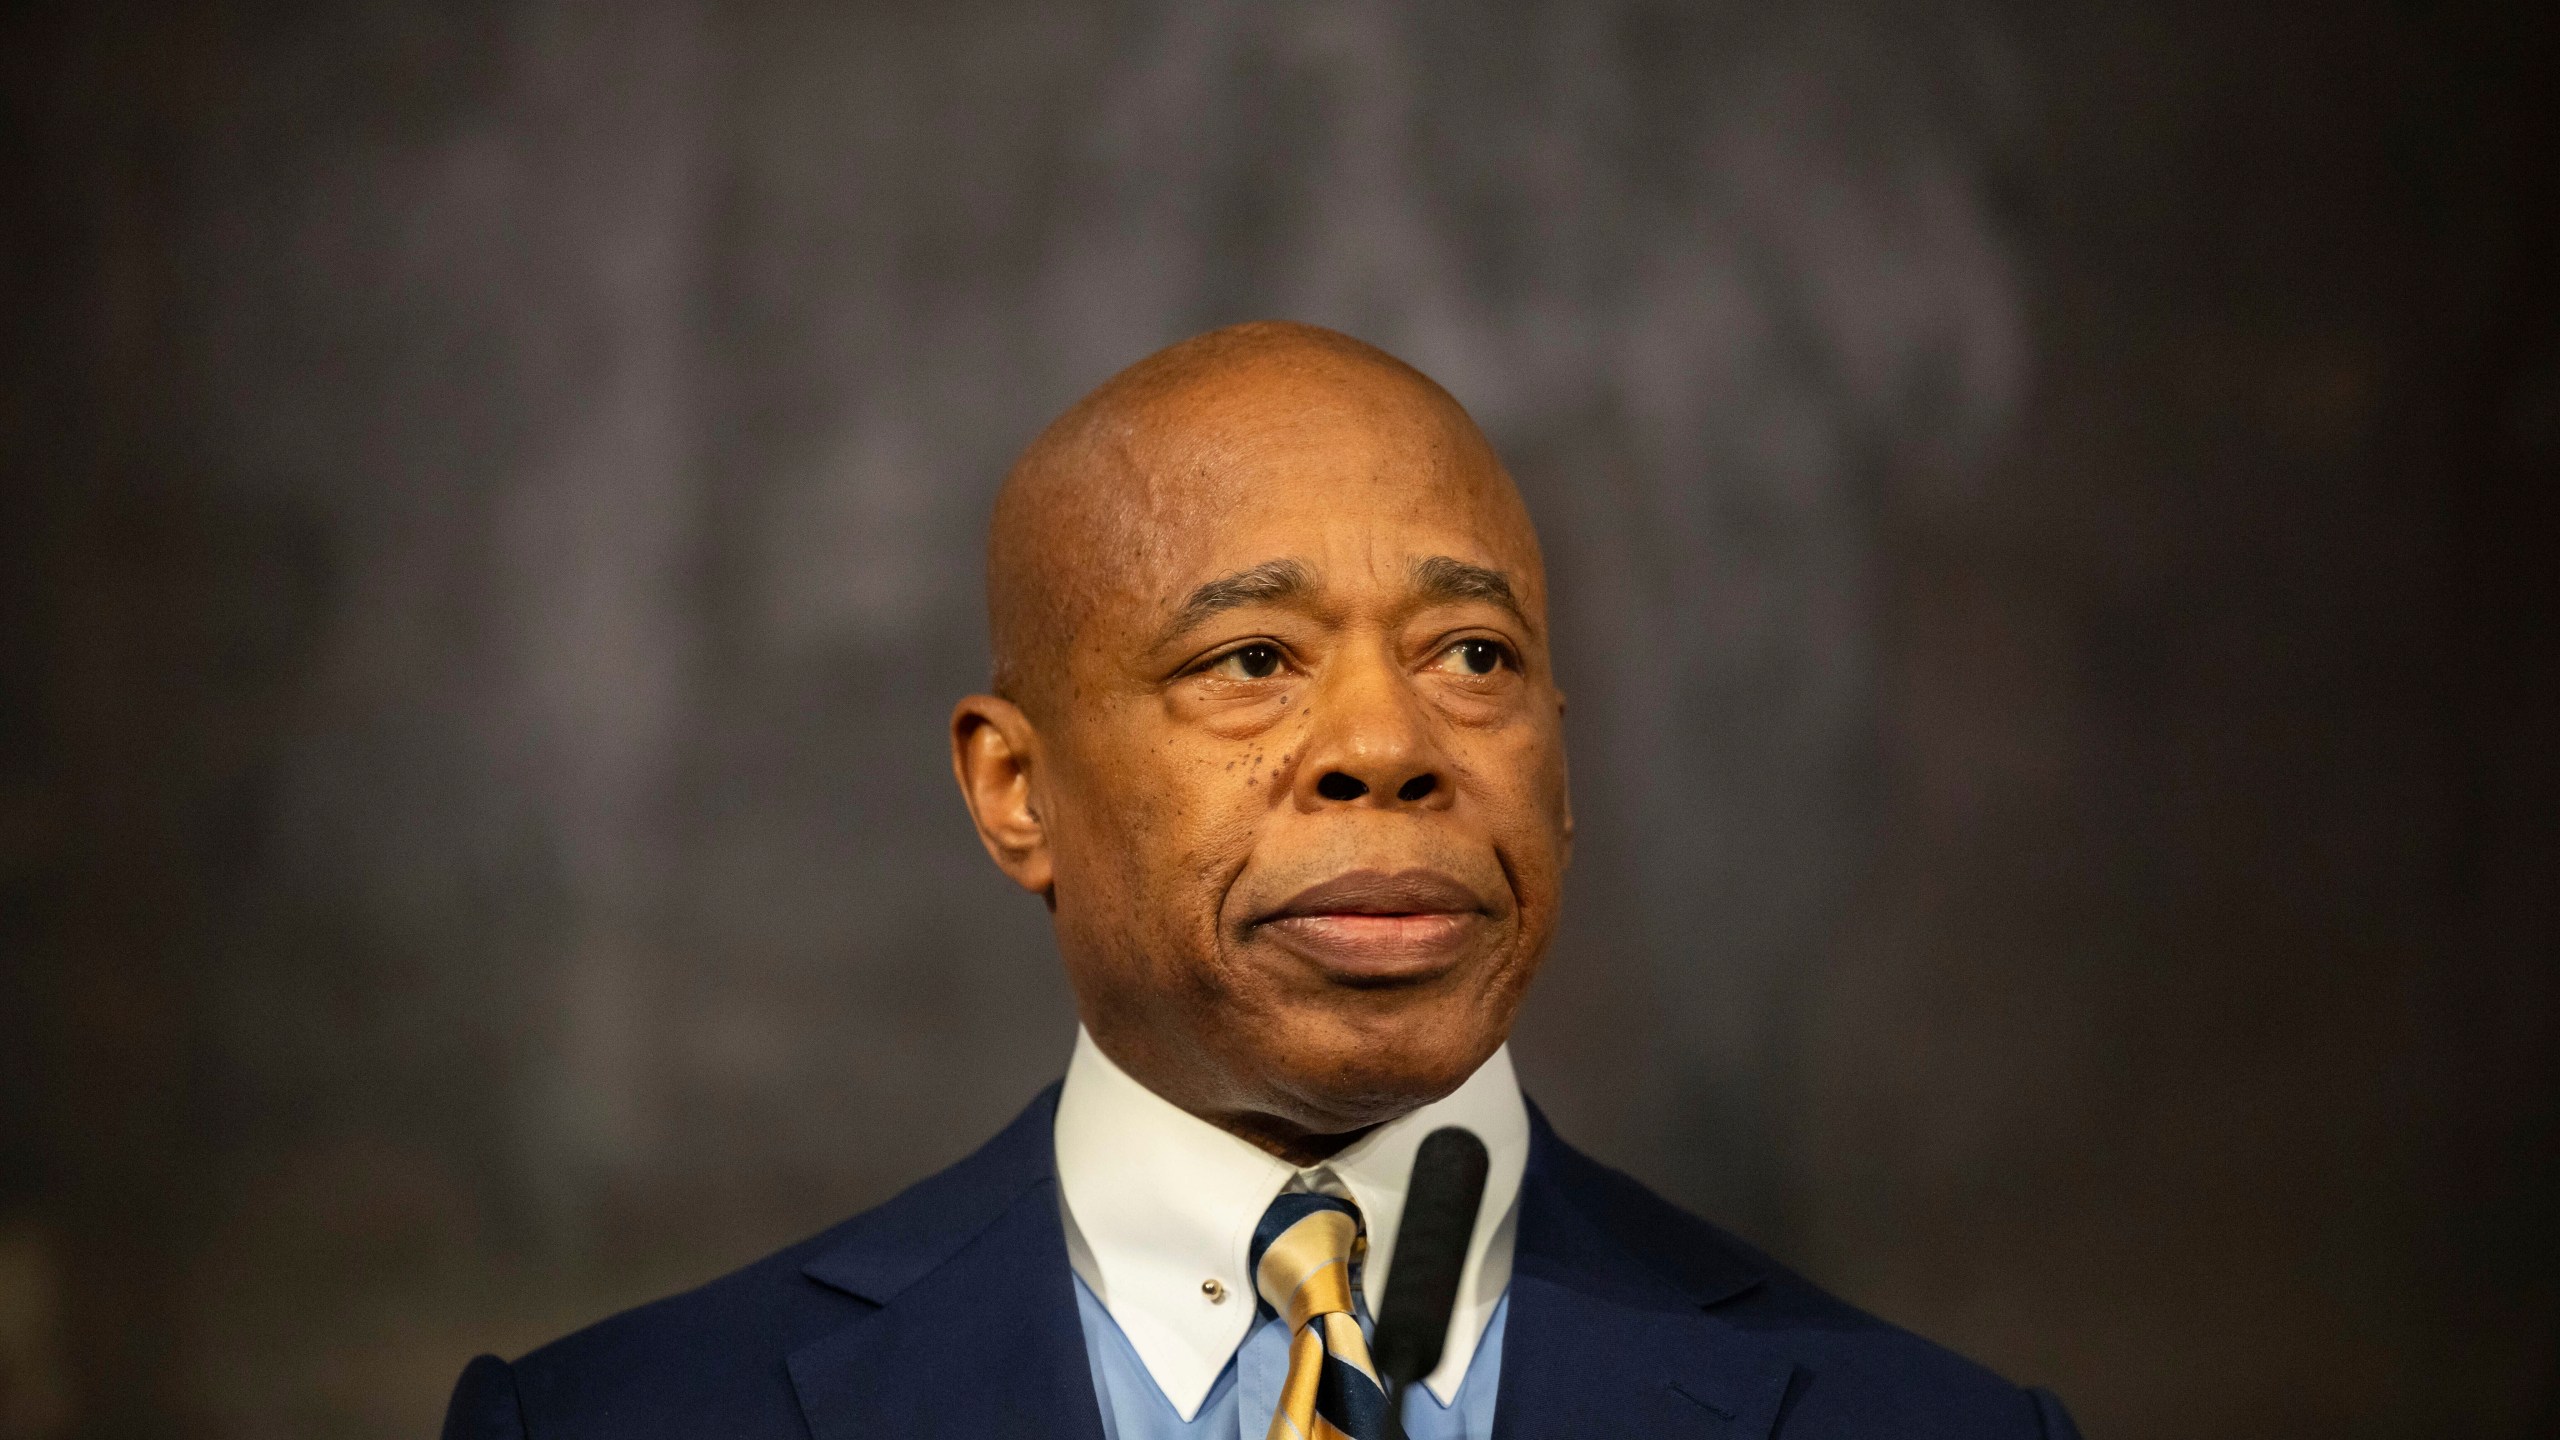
(1379, 892)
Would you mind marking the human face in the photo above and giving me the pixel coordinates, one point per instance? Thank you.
(1301, 812)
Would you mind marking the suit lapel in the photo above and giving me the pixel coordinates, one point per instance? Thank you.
(976, 1331)
(1612, 1328)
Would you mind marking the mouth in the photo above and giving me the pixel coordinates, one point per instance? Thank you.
(1373, 927)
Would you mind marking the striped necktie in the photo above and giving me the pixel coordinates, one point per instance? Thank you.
(1301, 1264)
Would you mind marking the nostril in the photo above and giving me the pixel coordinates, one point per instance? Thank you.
(1417, 787)
(1337, 786)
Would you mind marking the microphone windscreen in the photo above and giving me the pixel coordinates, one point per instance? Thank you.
(1431, 1249)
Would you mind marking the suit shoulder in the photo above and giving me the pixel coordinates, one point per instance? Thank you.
(1876, 1377)
(716, 1350)
(720, 1352)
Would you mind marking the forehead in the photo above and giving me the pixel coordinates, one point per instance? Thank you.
(1357, 474)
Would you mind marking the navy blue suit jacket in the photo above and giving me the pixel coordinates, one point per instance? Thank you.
(950, 1311)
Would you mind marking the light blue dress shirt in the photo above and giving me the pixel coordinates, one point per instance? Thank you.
(1240, 1403)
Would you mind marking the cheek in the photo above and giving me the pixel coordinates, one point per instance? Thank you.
(1527, 801)
(1161, 830)
(1214, 827)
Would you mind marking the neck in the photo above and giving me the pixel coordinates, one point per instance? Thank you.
(1234, 1105)
(1299, 1147)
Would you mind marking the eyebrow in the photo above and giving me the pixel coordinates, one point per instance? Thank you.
(1266, 583)
(1437, 579)
(1443, 580)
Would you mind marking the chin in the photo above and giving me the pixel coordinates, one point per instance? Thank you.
(1342, 1077)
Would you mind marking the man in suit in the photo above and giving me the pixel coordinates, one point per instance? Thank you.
(1275, 736)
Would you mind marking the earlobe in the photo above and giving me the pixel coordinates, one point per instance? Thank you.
(994, 756)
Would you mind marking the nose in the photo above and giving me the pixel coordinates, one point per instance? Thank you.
(1372, 743)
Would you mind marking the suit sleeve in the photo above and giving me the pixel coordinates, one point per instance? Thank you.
(2055, 1420)
(484, 1403)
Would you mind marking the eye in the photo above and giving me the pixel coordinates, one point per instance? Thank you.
(1252, 662)
(1476, 656)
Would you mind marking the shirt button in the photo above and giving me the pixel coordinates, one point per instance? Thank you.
(1216, 1292)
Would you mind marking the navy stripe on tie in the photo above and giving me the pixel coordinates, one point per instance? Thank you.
(1350, 1401)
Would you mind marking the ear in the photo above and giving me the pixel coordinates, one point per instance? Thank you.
(993, 752)
(1566, 780)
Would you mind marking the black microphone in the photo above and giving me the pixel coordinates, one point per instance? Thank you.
(1431, 1249)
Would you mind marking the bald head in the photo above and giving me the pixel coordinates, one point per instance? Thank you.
(1098, 503)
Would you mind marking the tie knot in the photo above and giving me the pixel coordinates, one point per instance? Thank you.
(1301, 1260)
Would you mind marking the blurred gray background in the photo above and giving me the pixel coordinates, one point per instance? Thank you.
(2044, 505)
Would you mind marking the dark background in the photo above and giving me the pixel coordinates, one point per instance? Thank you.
(2044, 504)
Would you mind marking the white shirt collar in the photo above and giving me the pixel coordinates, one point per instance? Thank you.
(1157, 1201)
